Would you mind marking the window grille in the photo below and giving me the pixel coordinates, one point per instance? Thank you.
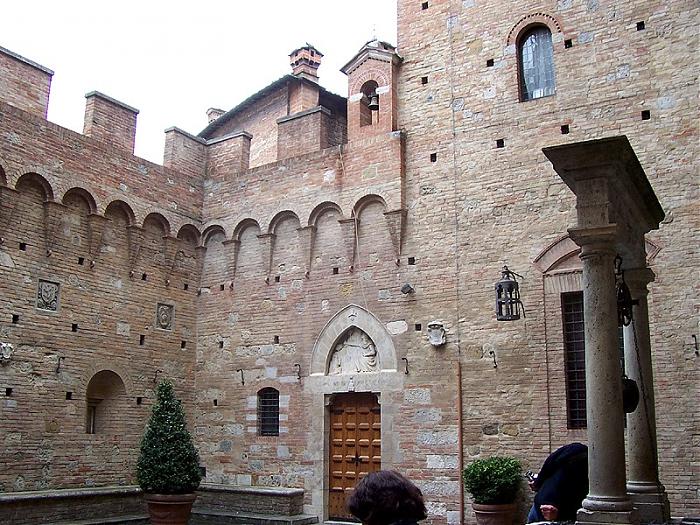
(268, 412)
(536, 58)
(574, 352)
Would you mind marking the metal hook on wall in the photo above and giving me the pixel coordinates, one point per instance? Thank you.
(405, 360)
(242, 377)
(695, 344)
(297, 366)
(493, 355)
(58, 365)
(155, 376)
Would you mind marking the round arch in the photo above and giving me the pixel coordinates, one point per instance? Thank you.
(365, 201)
(121, 206)
(83, 194)
(281, 216)
(244, 225)
(160, 220)
(38, 180)
(321, 209)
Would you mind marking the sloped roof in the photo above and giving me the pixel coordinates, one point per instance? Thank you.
(280, 82)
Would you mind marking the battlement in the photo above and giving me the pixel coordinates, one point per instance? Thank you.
(110, 121)
(24, 83)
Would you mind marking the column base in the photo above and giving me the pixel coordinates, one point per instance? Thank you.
(607, 517)
(650, 500)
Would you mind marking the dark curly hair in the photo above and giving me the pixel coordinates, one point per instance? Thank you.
(384, 497)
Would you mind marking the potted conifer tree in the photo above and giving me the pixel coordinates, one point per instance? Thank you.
(168, 465)
(494, 483)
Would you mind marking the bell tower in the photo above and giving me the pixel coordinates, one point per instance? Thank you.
(372, 101)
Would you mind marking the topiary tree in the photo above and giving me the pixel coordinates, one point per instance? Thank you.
(493, 481)
(168, 463)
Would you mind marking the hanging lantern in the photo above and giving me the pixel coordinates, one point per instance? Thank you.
(508, 302)
(630, 395)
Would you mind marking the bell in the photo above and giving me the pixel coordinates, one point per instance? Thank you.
(373, 103)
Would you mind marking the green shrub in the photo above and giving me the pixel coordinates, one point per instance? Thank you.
(494, 480)
(168, 463)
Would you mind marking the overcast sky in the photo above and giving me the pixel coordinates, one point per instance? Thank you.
(173, 59)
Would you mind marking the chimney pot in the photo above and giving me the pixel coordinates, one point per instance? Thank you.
(305, 62)
(214, 113)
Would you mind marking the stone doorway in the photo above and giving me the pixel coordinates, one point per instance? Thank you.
(354, 447)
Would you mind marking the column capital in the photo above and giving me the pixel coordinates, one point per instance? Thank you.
(595, 240)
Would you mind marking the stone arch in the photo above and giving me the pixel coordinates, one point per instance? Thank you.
(210, 231)
(106, 403)
(339, 325)
(83, 194)
(121, 206)
(527, 22)
(280, 217)
(157, 218)
(34, 179)
(189, 234)
(562, 255)
(365, 201)
(321, 209)
(244, 225)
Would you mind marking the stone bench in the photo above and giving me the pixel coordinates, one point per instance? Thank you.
(215, 504)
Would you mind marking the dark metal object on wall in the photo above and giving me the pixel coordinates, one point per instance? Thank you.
(508, 302)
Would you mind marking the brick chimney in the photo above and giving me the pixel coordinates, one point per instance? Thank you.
(214, 113)
(305, 62)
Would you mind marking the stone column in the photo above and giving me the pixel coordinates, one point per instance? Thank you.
(607, 500)
(643, 485)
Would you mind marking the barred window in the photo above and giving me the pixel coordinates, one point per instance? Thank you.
(574, 354)
(268, 412)
(536, 64)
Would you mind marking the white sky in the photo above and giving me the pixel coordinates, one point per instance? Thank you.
(174, 59)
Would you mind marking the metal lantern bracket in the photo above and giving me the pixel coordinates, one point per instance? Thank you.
(508, 303)
(624, 297)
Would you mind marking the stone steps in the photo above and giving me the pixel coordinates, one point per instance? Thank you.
(203, 516)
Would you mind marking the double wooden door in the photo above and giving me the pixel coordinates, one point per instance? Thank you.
(355, 447)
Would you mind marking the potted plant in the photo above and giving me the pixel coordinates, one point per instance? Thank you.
(168, 465)
(493, 483)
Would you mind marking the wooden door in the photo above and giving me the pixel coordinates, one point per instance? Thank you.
(355, 447)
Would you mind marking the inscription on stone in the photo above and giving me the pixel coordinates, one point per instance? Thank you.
(47, 296)
(164, 316)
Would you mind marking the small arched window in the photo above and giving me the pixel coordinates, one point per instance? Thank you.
(106, 404)
(268, 412)
(536, 62)
(369, 104)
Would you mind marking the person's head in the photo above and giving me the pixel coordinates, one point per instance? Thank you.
(384, 497)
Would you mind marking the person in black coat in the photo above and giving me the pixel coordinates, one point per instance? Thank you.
(561, 484)
(387, 498)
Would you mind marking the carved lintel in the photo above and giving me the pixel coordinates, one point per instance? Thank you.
(53, 215)
(267, 245)
(8, 199)
(96, 228)
(396, 223)
(136, 234)
(307, 237)
(348, 228)
(171, 247)
(201, 252)
(232, 248)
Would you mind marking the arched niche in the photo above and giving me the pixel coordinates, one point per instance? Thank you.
(352, 321)
(106, 403)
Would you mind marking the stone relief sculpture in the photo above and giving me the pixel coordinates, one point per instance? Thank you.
(47, 296)
(164, 316)
(355, 353)
(436, 333)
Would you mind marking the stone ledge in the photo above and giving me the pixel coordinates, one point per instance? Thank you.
(256, 490)
(117, 490)
(300, 114)
(135, 519)
(217, 517)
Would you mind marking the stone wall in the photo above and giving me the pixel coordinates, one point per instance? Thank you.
(492, 205)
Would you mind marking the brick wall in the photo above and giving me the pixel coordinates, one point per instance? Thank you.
(23, 83)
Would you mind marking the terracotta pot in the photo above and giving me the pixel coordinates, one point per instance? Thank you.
(170, 509)
(494, 514)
